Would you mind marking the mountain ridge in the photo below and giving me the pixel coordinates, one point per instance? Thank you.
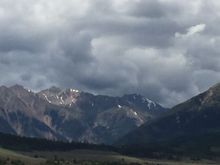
(190, 126)
(72, 115)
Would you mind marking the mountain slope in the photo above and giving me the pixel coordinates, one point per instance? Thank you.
(22, 113)
(98, 118)
(192, 124)
(68, 114)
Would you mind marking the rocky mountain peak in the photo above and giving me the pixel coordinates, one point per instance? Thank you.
(20, 90)
(54, 89)
(142, 102)
(58, 96)
(211, 96)
(17, 86)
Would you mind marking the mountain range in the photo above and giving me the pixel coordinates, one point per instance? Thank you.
(72, 115)
(190, 126)
(132, 122)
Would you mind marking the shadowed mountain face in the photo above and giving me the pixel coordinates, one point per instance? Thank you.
(194, 122)
(72, 115)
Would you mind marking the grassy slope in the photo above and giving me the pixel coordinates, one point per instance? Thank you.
(89, 155)
(5, 154)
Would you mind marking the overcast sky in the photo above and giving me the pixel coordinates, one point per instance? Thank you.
(167, 50)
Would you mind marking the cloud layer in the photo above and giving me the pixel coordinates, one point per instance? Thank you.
(166, 50)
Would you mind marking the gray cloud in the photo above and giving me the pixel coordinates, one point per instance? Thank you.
(163, 49)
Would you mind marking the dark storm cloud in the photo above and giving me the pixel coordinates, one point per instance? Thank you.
(163, 49)
(152, 9)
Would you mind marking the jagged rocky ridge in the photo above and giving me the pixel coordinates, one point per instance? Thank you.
(71, 115)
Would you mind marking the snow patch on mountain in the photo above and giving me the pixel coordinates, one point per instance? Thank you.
(149, 102)
(58, 96)
(46, 98)
(119, 106)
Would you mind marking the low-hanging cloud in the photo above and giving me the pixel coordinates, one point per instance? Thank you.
(163, 49)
